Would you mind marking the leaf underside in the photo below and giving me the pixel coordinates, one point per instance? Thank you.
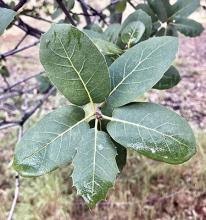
(153, 131)
(6, 17)
(51, 143)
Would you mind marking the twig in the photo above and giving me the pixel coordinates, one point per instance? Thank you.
(23, 81)
(133, 6)
(29, 113)
(17, 184)
(22, 39)
(19, 5)
(85, 9)
(66, 12)
(14, 51)
(38, 18)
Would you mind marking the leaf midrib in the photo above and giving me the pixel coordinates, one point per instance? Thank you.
(76, 71)
(135, 68)
(144, 127)
(58, 136)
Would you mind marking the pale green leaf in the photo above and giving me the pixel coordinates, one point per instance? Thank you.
(146, 8)
(170, 79)
(94, 27)
(95, 167)
(140, 68)
(6, 17)
(154, 131)
(94, 34)
(112, 32)
(188, 27)
(183, 8)
(106, 47)
(140, 15)
(161, 8)
(132, 33)
(51, 143)
(74, 64)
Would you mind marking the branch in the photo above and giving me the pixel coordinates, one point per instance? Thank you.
(85, 8)
(133, 6)
(66, 12)
(29, 29)
(14, 51)
(17, 184)
(22, 81)
(19, 5)
(28, 114)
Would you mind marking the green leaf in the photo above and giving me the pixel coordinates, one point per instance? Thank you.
(120, 6)
(154, 131)
(121, 157)
(6, 17)
(93, 34)
(171, 31)
(132, 33)
(94, 27)
(4, 72)
(51, 143)
(170, 79)
(74, 65)
(106, 47)
(188, 27)
(146, 8)
(69, 4)
(183, 8)
(140, 68)
(160, 32)
(44, 83)
(140, 15)
(161, 8)
(112, 33)
(95, 167)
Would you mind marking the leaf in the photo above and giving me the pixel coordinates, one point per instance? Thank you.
(74, 65)
(112, 33)
(95, 167)
(93, 34)
(146, 8)
(106, 47)
(121, 157)
(6, 17)
(140, 15)
(94, 27)
(161, 8)
(160, 32)
(188, 27)
(132, 33)
(120, 6)
(69, 4)
(51, 143)
(171, 30)
(140, 68)
(170, 79)
(154, 131)
(4, 72)
(183, 8)
(44, 83)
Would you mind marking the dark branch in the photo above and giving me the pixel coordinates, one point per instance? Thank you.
(85, 9)
(19, 5)
(14, 51)
(66, 12)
